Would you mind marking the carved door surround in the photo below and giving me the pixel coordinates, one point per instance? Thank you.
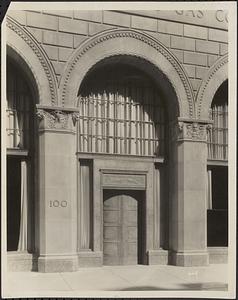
(117, 179)
(123, 193)
(119, 174)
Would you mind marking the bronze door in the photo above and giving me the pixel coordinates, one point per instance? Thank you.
(122, 240)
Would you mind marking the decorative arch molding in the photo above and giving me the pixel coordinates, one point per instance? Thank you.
(23, 63)
(132, 43)
(19, 39)
(217, 74)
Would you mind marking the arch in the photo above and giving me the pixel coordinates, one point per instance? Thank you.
(32, 55)
(22, 63)
(131, 43)
(22, 94)
(217, 74)
(151, 71)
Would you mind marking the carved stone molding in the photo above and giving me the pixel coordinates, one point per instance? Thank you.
(142, 38)
(189, 130)
(215, 77)
(56, 119)
(39, 52)
(75, 117)
(129, 181)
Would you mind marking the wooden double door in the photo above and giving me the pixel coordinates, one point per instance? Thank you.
(123, 227)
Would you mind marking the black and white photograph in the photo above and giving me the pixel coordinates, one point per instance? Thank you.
(118, 149)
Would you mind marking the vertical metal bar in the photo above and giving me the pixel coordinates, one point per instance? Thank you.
(209, 189)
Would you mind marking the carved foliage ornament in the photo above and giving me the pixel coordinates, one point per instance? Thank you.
(138, 36)
(194, 131)
(56, 119)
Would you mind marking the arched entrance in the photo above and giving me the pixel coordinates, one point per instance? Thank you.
(217, 231)
(122, 110)
(212, 101)
(21, 161)
(122, 134)
(111, 149)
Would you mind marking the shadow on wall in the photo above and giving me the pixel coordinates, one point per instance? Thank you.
(211, 286)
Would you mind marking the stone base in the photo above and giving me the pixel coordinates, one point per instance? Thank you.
(218, 255)
(157, 257)
(189, 258)
(19, 261)
(59, 263)
(90, 259)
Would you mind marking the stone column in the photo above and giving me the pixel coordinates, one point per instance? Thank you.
(188, 172)
(57, 191)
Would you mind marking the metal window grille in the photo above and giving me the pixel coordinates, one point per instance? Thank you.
(127, 119)
(18, 110)
(218, 136)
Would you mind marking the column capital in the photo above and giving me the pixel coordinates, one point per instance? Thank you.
(56, 119)
(190, 130)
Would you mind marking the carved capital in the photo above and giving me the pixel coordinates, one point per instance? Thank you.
(56, 119)
(189, 130)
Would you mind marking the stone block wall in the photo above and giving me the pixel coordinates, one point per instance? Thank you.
(61, 32)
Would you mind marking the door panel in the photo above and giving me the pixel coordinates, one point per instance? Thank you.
(120, 227)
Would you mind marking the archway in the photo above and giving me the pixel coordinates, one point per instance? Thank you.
(217, 231)
(21, 158)
(212, 103)
(125, 108)
(130, 104)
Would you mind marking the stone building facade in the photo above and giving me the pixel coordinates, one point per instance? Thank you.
(117, 126)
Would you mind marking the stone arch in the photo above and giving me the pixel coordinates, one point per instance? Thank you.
(21, 42)
(217, 74)
(21, 61)
(130, 43)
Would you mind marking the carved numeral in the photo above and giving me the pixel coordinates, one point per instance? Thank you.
(56, 203)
